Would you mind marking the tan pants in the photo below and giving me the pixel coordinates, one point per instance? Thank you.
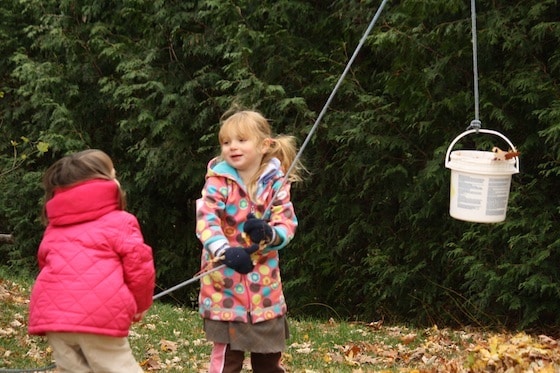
(92, 353)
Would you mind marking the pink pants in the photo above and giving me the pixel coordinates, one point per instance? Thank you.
(224, 360)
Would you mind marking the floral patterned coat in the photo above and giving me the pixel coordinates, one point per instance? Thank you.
(226, 295)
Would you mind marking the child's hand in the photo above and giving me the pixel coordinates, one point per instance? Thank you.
(139, 316)
(258, 230)
(239, 258)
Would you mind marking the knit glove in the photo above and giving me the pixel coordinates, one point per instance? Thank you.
(239, 258)
(258, 230)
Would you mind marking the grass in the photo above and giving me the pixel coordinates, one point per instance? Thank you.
(170, 339)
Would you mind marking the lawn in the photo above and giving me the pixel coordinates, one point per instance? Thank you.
(170, 339)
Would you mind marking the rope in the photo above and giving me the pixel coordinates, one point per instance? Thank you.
(475, 124)
(324, 110)
(298, 155)
(50, 367)
(187, 282)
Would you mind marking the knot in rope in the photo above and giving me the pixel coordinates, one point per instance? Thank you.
(475, 125)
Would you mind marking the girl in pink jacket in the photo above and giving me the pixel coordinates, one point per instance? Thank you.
(96, 273)
(243, 305)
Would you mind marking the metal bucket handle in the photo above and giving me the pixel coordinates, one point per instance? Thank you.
(491, 132)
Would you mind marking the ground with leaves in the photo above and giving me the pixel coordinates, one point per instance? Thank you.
(170, 339)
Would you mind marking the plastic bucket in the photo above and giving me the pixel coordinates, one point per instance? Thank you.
(480, 185)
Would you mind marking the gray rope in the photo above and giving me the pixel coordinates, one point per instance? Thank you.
(44, 369)
(324, 110)
(475, 124)
(298, 155)
(187, 282)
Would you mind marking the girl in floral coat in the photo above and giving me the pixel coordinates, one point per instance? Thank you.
(243, 305)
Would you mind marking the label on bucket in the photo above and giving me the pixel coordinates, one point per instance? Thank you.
(479, 186)
(479, 198)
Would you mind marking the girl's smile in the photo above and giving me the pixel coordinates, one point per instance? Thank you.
(243, 154)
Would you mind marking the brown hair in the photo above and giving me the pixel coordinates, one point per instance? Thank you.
(78, 167)
(252, 124)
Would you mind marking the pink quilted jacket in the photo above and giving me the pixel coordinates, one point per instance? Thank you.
(96, 272)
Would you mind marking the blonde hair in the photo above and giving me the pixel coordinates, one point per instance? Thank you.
(252, 124)
(78, 167)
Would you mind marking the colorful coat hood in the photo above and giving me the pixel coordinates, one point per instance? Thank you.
(226, 295)
(96, 272)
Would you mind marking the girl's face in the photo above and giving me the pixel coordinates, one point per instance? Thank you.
(243, 153)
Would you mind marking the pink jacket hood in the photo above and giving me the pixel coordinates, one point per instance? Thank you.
(96, 272)
(83, 202)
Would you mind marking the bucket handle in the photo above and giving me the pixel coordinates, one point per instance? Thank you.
(491, 132)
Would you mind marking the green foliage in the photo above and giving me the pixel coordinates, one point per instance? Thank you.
(147, 82)
(391, 250)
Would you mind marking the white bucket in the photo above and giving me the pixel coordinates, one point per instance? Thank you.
(480, 185)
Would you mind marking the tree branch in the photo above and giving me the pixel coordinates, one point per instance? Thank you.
(6, 238)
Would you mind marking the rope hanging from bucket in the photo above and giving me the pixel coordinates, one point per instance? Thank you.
(475, 124)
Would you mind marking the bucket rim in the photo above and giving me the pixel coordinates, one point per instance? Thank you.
(481, 130)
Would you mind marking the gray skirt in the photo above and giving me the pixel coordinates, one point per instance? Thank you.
(265, 337)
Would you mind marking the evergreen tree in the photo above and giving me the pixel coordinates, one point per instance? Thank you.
(147, 82)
